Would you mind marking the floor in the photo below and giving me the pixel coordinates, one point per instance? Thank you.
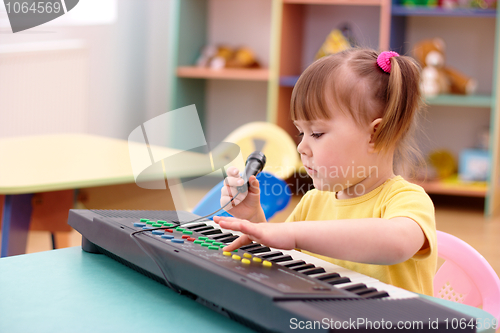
(461, 217)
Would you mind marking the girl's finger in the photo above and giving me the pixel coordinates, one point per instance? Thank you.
(237, 243)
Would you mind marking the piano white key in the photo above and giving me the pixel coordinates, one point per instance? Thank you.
(355, 277)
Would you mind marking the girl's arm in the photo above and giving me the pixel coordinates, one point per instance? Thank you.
(371, 240)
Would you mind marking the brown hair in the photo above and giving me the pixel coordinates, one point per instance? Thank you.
(356, 85)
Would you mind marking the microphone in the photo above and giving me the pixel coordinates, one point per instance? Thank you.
(254, 164)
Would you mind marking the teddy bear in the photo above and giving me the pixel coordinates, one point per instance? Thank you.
(437, 78)
(222, 56)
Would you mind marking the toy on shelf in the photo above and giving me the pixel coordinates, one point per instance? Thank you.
(483, 4)
(335, 42)
(443, 162)
(218, 57)
(450, 4)
(427, 3)
(436, 77)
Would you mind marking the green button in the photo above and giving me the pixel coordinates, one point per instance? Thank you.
(179, 229)
(198, 241)
(206, 244)
(157, 225)
(223, 245)
(202, 237)
(218, 243)
(144, 220)
(187, 232)
(209, 240)
(235, 250)
(149, 222)
(213, 247)
(167, 224)
(161, 221)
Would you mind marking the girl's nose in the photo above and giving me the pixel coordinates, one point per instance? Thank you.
(302, 148)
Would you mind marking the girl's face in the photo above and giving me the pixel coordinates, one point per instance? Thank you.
(337, 153)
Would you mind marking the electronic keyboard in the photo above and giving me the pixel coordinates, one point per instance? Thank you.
(266, 289)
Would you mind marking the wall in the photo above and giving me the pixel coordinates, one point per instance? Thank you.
(128, 74)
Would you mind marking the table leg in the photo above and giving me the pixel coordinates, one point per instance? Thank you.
(15, 224)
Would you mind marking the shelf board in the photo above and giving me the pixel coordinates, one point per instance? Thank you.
(400, 10)
(454, 187)
(337, 2)
(254, 74)
(480, 101)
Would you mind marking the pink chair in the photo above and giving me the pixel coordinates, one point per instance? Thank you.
(465, 276)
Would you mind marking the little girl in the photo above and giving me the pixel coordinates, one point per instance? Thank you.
(353, 111)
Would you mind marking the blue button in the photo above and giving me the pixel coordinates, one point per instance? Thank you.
(167, 236)
(177, 240)
(139, 224)
(158, 232)
(147, 227)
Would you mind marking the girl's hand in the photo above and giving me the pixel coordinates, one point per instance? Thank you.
(277, 235)
(246, 205)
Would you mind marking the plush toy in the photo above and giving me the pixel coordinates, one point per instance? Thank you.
(436, 77)
(217, 57)
(334, 42)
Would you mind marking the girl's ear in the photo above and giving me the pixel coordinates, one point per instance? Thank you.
(374, 126)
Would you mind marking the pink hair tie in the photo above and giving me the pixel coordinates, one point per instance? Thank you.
(384, 60)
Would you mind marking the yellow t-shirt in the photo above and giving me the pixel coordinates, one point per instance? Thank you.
(395, 198)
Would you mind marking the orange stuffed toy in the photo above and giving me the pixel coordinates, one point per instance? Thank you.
(436, 77)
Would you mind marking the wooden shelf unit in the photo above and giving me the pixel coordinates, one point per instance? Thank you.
(258, 74)
(286, 63)
(490, 190)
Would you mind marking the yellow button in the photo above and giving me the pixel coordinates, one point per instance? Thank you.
(226, 253)
(236, 257)
(247, 255)
(267, 263)
(257, 259)
(245, 261)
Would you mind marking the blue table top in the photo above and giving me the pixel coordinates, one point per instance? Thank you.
(70, 290)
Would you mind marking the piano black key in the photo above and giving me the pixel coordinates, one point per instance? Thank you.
(220, 236)
(338, 280)
(364, 291)
(354, 287)
(197, 225)
(294, 263)
(259, 249)
(376, 294)
(270, 254)
(229, 239)
(281, 258)
(302, 267)
(249, 246)
(327, 276)
(199, 229)
(211, 232)
(314, 270)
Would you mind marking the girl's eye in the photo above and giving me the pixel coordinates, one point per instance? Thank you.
(301, 134)
(316, 135)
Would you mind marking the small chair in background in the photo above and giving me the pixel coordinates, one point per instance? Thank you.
(465, 276)
(282, 159)
(274, 197)
(281, 153)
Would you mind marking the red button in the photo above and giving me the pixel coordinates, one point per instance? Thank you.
(191, 239)
(169, 230)
(185, 236)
